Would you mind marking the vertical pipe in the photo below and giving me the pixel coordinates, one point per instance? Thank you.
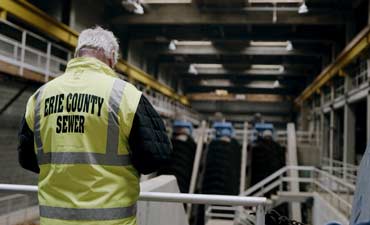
(292, 160)
(331, 132)
(243, 166)
(349, 133)
(23, 52)
(48, 57)
(322, 129)
(260, 220)
(198, 156)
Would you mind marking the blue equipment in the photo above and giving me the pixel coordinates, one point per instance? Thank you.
(261, 127)
(223, 129)
(180, 124)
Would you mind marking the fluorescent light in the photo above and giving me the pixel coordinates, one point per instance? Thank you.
(192, 69)
(166, 1)
(240, 97)
(303, 8)
(264, 84)
(139, 9)
(289, 46)
(172, 45)
(194, 43)
(208, 66)
(133, 6)
(279, 68)
(217, 82)
(221, 92)
(275, 1)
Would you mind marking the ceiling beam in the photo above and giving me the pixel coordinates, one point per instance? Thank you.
(301, 61)
(189, 14)
(233, 33)
(247, 50)
(241, 90)
(227, 107)
(236, 98)
(245, 77)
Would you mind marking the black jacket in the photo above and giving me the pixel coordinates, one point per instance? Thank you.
(148, 140)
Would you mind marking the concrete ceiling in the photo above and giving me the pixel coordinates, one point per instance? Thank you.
(230, 26)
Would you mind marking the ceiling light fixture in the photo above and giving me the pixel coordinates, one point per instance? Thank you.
(286, 44)
(268, 43)
(240, 97)
(275, 1)
(208, 66)
(192, 69)
(263, 84)
(133, 6)
(167, 1)
(289, 46)
(172, 45)
(194, 43)
(279, 68)
(221, 92)
(303, 8)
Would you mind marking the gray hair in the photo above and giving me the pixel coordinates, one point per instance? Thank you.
(99, 38)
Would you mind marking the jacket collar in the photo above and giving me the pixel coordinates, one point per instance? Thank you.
(89, 63)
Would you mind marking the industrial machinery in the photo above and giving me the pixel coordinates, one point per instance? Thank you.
(181, 164)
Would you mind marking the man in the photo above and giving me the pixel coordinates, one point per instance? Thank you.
(89, 135)
(361, 200)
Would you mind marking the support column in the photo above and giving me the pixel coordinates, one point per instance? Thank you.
(331, 132)
(322, 128)
(292, 160)
(349, 131)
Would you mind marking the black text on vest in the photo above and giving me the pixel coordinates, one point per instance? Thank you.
(70, 104)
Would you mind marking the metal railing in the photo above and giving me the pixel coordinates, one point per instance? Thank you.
(359, 75)
(336, 191)
(308, 138)
(339, 91)
(258, 203)
(327, 97)
(345, 171)
(29, 51)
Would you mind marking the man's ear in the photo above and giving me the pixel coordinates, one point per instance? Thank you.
(111, 60)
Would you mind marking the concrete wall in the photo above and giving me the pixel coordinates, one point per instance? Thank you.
(11, 172)
(155, 213)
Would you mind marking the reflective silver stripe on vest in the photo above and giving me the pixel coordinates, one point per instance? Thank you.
(85, 158)
(110, 158)
(113, 118)
(36, 125)
(87, 214)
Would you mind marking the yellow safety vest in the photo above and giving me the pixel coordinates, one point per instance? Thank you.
(81, 123)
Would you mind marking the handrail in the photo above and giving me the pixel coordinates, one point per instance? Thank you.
(197, 160)
(259, 202)
(317, 178)
(169, 197)
(265, 181)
